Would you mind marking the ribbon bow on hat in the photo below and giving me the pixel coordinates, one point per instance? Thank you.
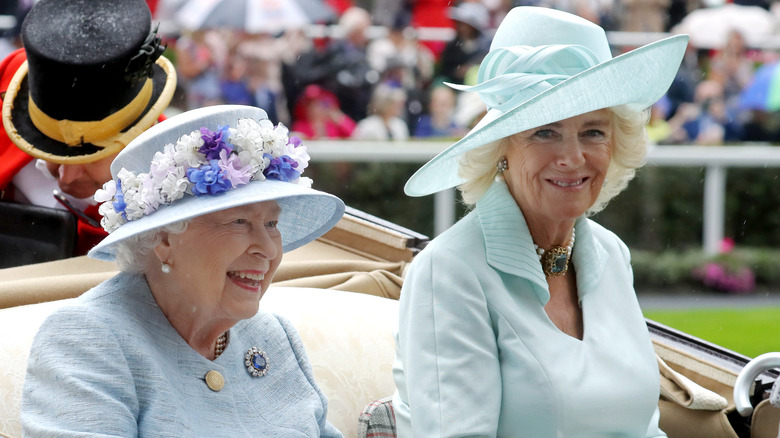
(509, 76)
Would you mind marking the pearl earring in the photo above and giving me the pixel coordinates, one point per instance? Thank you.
(166, 268)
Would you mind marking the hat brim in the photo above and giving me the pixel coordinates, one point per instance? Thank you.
(637, 78)
(306, 214)
(27, 137)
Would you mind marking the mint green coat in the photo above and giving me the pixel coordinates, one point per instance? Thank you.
(477, 354)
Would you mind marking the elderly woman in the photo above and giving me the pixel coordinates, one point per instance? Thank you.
(200, 211)
(507, 327)
(385, 123)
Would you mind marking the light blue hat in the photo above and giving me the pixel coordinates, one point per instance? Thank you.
(207, 160)
(546, 65)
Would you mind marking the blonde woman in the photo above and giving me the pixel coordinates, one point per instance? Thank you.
(521, 319)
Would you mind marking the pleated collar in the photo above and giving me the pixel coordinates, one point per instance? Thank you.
(510, 248)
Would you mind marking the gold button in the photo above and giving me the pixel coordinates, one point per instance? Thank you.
(215, 381)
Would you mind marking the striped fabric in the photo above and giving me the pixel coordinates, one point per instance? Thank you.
(377, 420)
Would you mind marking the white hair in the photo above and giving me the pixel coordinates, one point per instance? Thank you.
(478, 166)
(132, 253)
(355, 19)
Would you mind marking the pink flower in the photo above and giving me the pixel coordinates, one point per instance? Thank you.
(726, 245)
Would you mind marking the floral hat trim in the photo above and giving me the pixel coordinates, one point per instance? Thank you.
(204, 163)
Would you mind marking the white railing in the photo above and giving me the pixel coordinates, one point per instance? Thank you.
(715, 159)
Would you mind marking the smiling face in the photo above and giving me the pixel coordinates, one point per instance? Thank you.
(223, 263)
(555, 172)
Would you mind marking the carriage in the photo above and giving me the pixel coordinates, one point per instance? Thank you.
(341, 293)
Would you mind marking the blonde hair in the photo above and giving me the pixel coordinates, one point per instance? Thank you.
(477, 167)
(131, 253)
(384, 97)
(355, 19)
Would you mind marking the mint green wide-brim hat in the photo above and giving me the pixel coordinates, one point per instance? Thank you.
(306, 214)
(544, 66)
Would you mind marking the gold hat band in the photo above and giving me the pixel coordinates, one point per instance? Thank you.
(74, 133)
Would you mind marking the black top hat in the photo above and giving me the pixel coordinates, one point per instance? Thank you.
(94, 79)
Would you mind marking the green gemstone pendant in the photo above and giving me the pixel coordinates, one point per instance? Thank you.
(555, 261)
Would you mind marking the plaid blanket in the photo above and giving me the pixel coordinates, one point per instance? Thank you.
(377, 420)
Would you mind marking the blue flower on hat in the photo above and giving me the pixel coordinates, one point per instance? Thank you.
(208, 179)
(214, 142)
(119, 199)
(281, 168)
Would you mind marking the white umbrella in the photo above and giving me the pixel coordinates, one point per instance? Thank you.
(252, 16)
(708, 27)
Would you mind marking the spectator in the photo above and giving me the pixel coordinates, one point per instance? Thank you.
(644, 15)
(470, 44)
(318, 116)
(198, 70)
(384, 123)
(404, 62)
(234, 85)
(732, 68)
(401, 48)
(690, 73)
(658, 128)
(705, 121)
(264, 56)
(349, 74)
(440, 120)
(302, 63)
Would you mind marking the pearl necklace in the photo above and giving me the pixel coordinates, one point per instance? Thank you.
(220, 346)
(555, 261)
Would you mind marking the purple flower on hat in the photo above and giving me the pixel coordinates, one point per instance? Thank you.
(208, 179)
(234, 172)
(281, 168)
(295, 141)
(214, 142)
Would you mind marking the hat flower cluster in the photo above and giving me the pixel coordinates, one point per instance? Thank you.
(204, 163)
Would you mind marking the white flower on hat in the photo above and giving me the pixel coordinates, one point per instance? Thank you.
(107, 192)
(111, 218)
(186, 150)
(173, 186)
(299, 153)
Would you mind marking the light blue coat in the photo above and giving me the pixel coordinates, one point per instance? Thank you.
(112, 365)
(477, 354)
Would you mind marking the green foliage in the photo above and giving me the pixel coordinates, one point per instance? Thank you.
(675, 268)
(664, 269)
(662, 208)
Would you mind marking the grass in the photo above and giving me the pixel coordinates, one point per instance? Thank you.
(750, 331)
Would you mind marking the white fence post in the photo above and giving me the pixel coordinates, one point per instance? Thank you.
(714, 208)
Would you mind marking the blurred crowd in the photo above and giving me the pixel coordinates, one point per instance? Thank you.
(390, 85)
